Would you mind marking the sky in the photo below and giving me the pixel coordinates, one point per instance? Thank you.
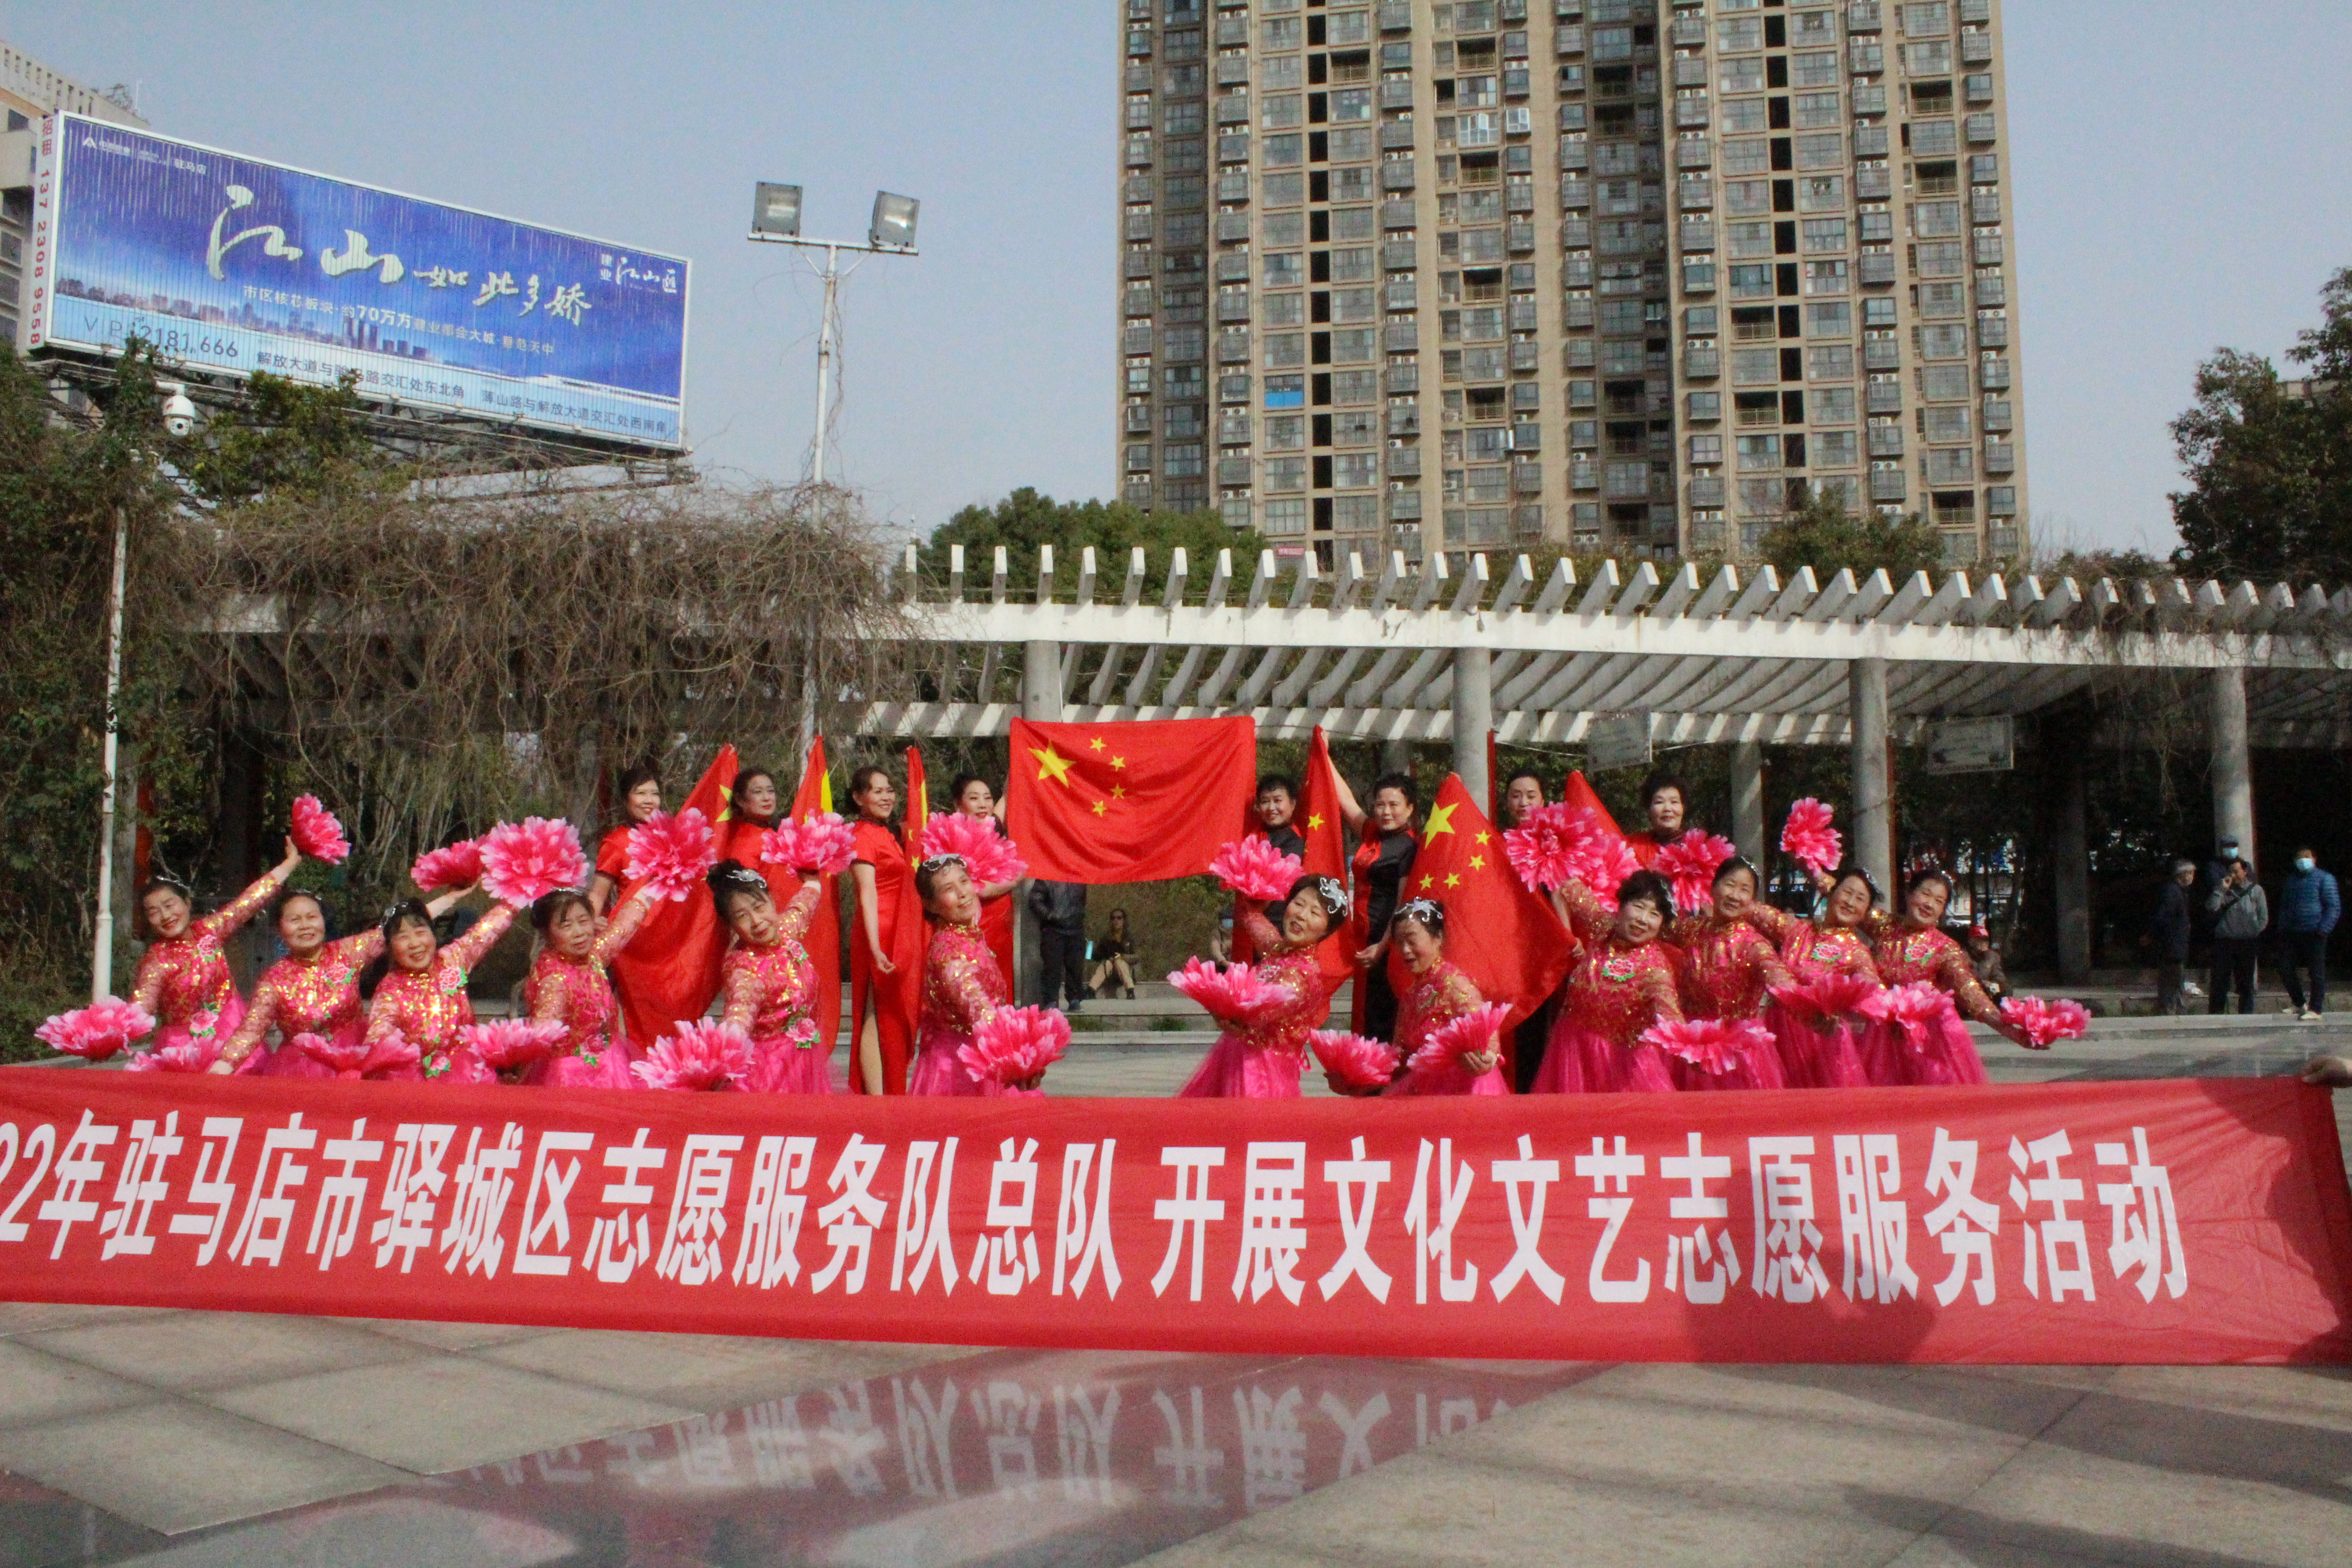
(2182, 174)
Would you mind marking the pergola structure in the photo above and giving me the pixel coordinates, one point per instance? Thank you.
(1455, 650)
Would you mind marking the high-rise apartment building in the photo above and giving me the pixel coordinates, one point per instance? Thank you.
(29, 92)
(1625, 275)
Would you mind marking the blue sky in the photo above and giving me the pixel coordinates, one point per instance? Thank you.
(2183, 175)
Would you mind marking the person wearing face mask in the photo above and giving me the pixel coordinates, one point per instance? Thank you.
(1260, 1059)
(767, 984)
(1384, 856)
(1622, 986)
(568, 986)
(2309, 907)
(641, 799)
(1825, 1053)
(1912, 949)
(961, 983)
(2241, 912)
(1727, 970)
(183, 979)
(313, 990)
(416, 987)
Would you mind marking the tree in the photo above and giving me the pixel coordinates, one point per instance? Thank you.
(1027, 519)
(2269, 463)
(282, 438)
(1827, 536)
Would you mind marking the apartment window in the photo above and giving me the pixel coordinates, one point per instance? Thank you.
(1835, 320)
(1352, 346)
(1283, 190)
(1706, 405)
(1184, 380)
(1284, 151)
(1744, 74)
(1748, 198)
(1355, 471)
(1748, 156)
(1936, 220)
(1943, 301)
(1819, 110)
(1944, 383)
(1925, 17)
(1939, 258)
(1488, 482)
(1821, 193)
(1824, 234)
(1356, 514)
(1705, 449)
(1138, 377)
(1830, 361)
(1833, 405)
(1280, 71)
(1184, 119)
(1283, 271)
(1349, 27)
(1353, 185)
(1836, 449)
(1745, 114)
(1826, 277)
(1354, 388)
(1877, 227)
(1281, 33)
(1931, 57)
(1353, 305)
(1819, 69)
(1821, 150)
(1351, 144)
(1751, 283)
(1285, 392)
(1351, 105)
(1282, 111)
(1283, 310)
(1946, 426)
(1138, 458)
(1353, 263)
(1748, 239)
(1943, 342)
(1758, 452)
(1286, 474)
(1286, 432)
(1284, 518)
(1183, 343)
(1740, 35)
(1755, 368)
(1180, 462)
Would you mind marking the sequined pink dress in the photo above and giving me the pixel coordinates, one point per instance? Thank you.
(1432, 1001)
(184, 980)
(1907, 954)
(315, 993)
(1261, 1060)
(1614, 994)
(1811, 1055)
(577, 993)
(427, 1008)
(771, 994)
(1726, 967)
(962, 985)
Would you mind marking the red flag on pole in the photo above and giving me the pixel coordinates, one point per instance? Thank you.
(913, 937)
(1317, 822)
(824, 938)
(1128, 802)
(669, 971)
(1508, 940)
(1576, 791)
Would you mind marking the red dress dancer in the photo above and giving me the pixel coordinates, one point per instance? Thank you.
(577, 993)
(996, 921)
(1811, 1055)
(1261, 1060)
(882, 995)
(962, 987)
(1435, 998)
(1616, 993)
(1727, 967)
(427, 1006)
(181, 979)
(1907, 954)
(317, 993)
(771, 995)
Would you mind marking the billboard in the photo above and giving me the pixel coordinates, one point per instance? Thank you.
(232, 266)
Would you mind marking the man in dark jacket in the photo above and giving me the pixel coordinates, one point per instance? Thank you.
(2308, 908)
(2241, 914)
(2167, 932)
(1061, 912)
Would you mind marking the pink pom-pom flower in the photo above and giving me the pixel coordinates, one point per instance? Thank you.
(820, 842)
(698, 1056)
(195, 1054)
(987, 854)
(672, 852)
(457, 865)
(510, 1043)
(317, 834)
(1353, 1060)
(1690, 863)
(1808, 835)
(1231, 996)
(389, 1055)
(2046, 1023)
(344, 1058)
(1255, 870)
(459, 1065)
(1825, 998)
(1563, 843)
(1710, 1045)
(522, 862)
(1471, 1035)
(97, 1031)
(1014, 1045)
(1915, 1009)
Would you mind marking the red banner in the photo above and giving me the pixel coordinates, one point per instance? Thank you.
(2169, 1222)
(1129, 801)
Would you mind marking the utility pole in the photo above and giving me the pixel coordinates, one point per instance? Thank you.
(102, 952)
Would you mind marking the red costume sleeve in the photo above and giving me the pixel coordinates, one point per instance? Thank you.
(479, 938)
(233, 915)
(742, 991)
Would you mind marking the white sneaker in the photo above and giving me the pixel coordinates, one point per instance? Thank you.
(2191, 988)
(2309, 1016)
(2291, 1010)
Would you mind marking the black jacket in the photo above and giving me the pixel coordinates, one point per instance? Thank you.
(2169, 924)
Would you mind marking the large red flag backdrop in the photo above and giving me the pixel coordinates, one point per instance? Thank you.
(1317, 822)
(1503, 937)
(1131, 802)
(669, 971)
(824, 938)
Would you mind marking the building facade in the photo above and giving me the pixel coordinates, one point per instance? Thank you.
(29, 92)
(1630, 276)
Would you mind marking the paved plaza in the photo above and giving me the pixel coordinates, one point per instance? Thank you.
(201, 1438)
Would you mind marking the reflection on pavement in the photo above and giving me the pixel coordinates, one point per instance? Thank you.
(1010, 1457)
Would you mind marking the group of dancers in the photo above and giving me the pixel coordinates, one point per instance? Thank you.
(392, 1002)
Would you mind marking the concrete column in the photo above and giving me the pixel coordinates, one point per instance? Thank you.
(2070, 854)
(1041, 702)
(1473, 718)
(2233, 776)
(1873, 844)
(1396, 757)
(1747, 799)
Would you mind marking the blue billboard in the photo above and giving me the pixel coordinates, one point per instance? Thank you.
(231, 266)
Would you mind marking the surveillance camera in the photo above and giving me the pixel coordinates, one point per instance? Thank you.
(179, 414)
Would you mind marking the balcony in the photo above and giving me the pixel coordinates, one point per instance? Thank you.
(1883, 398)
(1690, 70)
(1523, 356)
(1136, 265)
(2000, 457)
(1396, 136)
(1232, 306)
(1877, 267)
(1396, 175)
(1569, 41)
(1575, 193)
(1523, 316)
(1702, 365)
(1405, 506)
(1869, 141)
(1934, 139)
(1396, 16)
(1886, 440)
(1694, 153)
(1888, 485)
(1234, 147)
(1988, 249)
(1984, 208)
(1399, 295)
(1405, 462)
(1136, 339)
(1949, 466)
(1403, 378)
(1872, 185)
(1527, 435)
(1583, 475)
(1396, 215)
(1699, 233)
(1233, 268)
(1404, 420)
(1861, 16)
(1976, 48)
(1233, 228)
(1695, 194)
(1396, 95)
(1526, 478)
(1981, 128)
(1232, 347)
(1992, 331)
(1232, 471)
(1575, 152)
(1687, 32)
(1699, 277)
(1139, 420)
(1233, 108)
(1399, 255)
(1519, 196)
(1690, 113)
(1882, 353)
(1706, 490)
(1233, 70)
(1999, 416)
(1865, 57)
(1978, 11)
(1232, 32)
(1400, 338)
(1577, 315)
(1978, 89)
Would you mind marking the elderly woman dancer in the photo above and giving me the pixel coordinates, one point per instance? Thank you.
(182, 977)
(313, 990)
(416, 987)
(767, 982)
(1728, 969)
(1439, 994)
(568, 986)
(962, 983)
(1260, 1059)
(1913, 948)
(1827, 1052)
(1622, 985)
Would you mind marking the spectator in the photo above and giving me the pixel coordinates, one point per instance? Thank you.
(2309, 906)
(1278, 802)
(1523, 796)
(2240, 913)
(1061, 912)
(1986, 957)
(1221, 944)
(2168, 932)
(1114, 958)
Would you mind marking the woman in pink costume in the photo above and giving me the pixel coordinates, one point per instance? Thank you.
(182, 977)
(313, 990)
(1260, 1060)
(1623, 983)
(1727, 967)
(768, 984)
(1822, 1054)
(1912, 948)
(416, 988)
(568, 986)
(1439, 994)
(962, 983)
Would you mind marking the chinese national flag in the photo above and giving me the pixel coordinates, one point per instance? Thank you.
(669, 973)
(824, 938)
(1507, 939)
(1317, 821)
(1130, 802)
(914, 933)
(1574, 791)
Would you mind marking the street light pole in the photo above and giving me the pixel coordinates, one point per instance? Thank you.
(102, 953)
(832, 276)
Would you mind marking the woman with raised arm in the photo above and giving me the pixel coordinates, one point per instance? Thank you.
(879, 1033)
(416, 987)
(1913, 948)
(640, 791)
(971, 795)
(767, 983)
(1821, 1052)
(1440, 993)
(961, 983)
(1260, 1058)
(568, 986)
(1383, 863)
(182, 978)
(1523, 796)
(313, 990)
(1622, 986)
(1727, 973)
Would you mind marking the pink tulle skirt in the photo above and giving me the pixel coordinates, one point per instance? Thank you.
(779, 1067)
(1451, 1078)
(1812, 1058)
(1946, 1055)
(574, 1069)
(1233, 1070)
(232, 1014)
(939, 1070)
(291, 1060)
(1578, 1060)
(1759, 1070)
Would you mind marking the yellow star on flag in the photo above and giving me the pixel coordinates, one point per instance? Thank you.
(1451, 880)
(1051, 764)
(1441, 820)
(1484, 836)
(1315, 822)
(1099, 809)
(1096, 744)
(1429, 879)
(1119, 792)
(1118, 761)
(1477, 862)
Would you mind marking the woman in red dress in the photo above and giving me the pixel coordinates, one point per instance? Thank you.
(568, 986)
(416, 988)
(969, 795)
(1726, 971)
(1383, 865)
(961, 984)
(1911, 949)
(1260, 1059)
(1825, 1053)
(641, 797)
(882, 1023)
(313, 990)
(769, 985)
(182, 978)
(1440, 993)
(1666, 816)
(1623, 983)
(752, 811)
